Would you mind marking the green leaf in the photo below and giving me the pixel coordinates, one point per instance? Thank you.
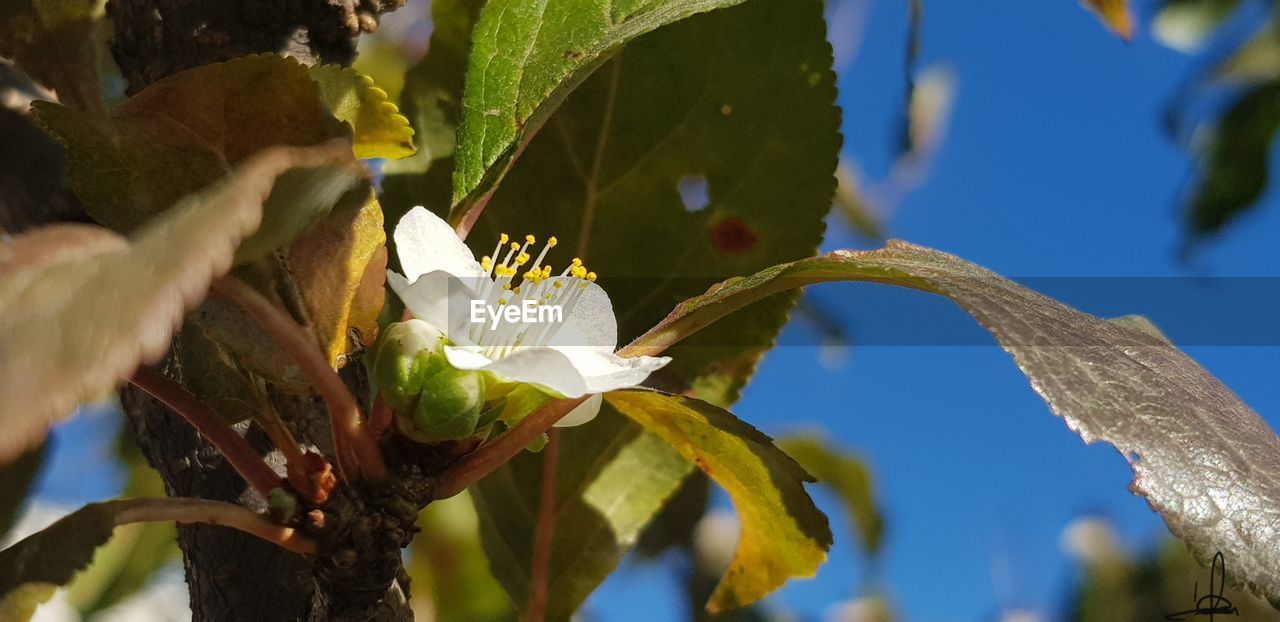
(1109, 380)
(81, 316)
(741, 100)
(185, 132)
(16, 480)
(432, 99)
(448, 570)
(783, 533)
(847, 476)
(611, 478)
(1234, 160)
(527, 57)
(378, 128)
(55, 42)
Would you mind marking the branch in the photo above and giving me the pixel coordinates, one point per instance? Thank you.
(188, 510)
(544, 532)
(483, 461)
(233, 447)
(358, 452)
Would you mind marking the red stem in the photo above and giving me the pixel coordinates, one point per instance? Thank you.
(483, 461)
(234, 448)
(357, 450)
(187, 510)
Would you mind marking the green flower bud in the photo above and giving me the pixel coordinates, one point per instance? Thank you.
(408, 353)
(448, 408)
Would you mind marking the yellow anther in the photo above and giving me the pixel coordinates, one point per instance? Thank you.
(577, 262)
(522, 259)
(486, 262)
(502, 239)
(551, 241)
(502, 301)
(546, 271)
(506, 286)
(591, 276)
(515, 246)
(558, 284)
(529, 239)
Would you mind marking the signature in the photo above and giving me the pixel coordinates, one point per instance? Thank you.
(1213, 603)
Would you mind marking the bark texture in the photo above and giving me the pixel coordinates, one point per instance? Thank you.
(233, 576)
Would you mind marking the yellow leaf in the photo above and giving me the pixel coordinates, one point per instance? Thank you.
(379, 130)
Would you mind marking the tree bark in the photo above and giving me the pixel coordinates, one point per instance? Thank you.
(232, 576)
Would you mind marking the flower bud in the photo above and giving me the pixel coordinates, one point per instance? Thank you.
(408, 353)
(432, 401)
(448, 407)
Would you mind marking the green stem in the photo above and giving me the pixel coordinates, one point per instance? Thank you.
(188, 510)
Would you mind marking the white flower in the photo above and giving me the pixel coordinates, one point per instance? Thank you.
(444, 285)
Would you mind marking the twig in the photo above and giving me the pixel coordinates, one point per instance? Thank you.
(483, 461)
(188, 510)
(233, 447)
(544, 531)
(358, 452)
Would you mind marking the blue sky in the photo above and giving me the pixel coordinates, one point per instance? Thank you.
(1055, 166)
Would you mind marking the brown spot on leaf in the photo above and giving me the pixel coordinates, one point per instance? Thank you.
(732, 236)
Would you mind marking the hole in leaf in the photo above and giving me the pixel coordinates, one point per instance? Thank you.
(693, 192)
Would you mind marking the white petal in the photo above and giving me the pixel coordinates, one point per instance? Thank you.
(582, 413)
(425, 243)
(439, 299)
(590, 322)
(544, 367)
(606, 371)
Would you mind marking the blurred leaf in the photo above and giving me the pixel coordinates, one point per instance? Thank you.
(339, 267)
(1185, 24)
(55, 554)
(185, 132)
(126, 563)
(432, 100)
(1107, 380)
(52, 556)
(16, 480)
(1115, 15)
(379, 130)
(70, 329)
(783, 533)
(1258, 60)
(1234, 160)
(301, 197)
(611, 478)
(853, 205)
(527, 58)
(54, 42)
(738, 102)
(448, 569)
(847, 476)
